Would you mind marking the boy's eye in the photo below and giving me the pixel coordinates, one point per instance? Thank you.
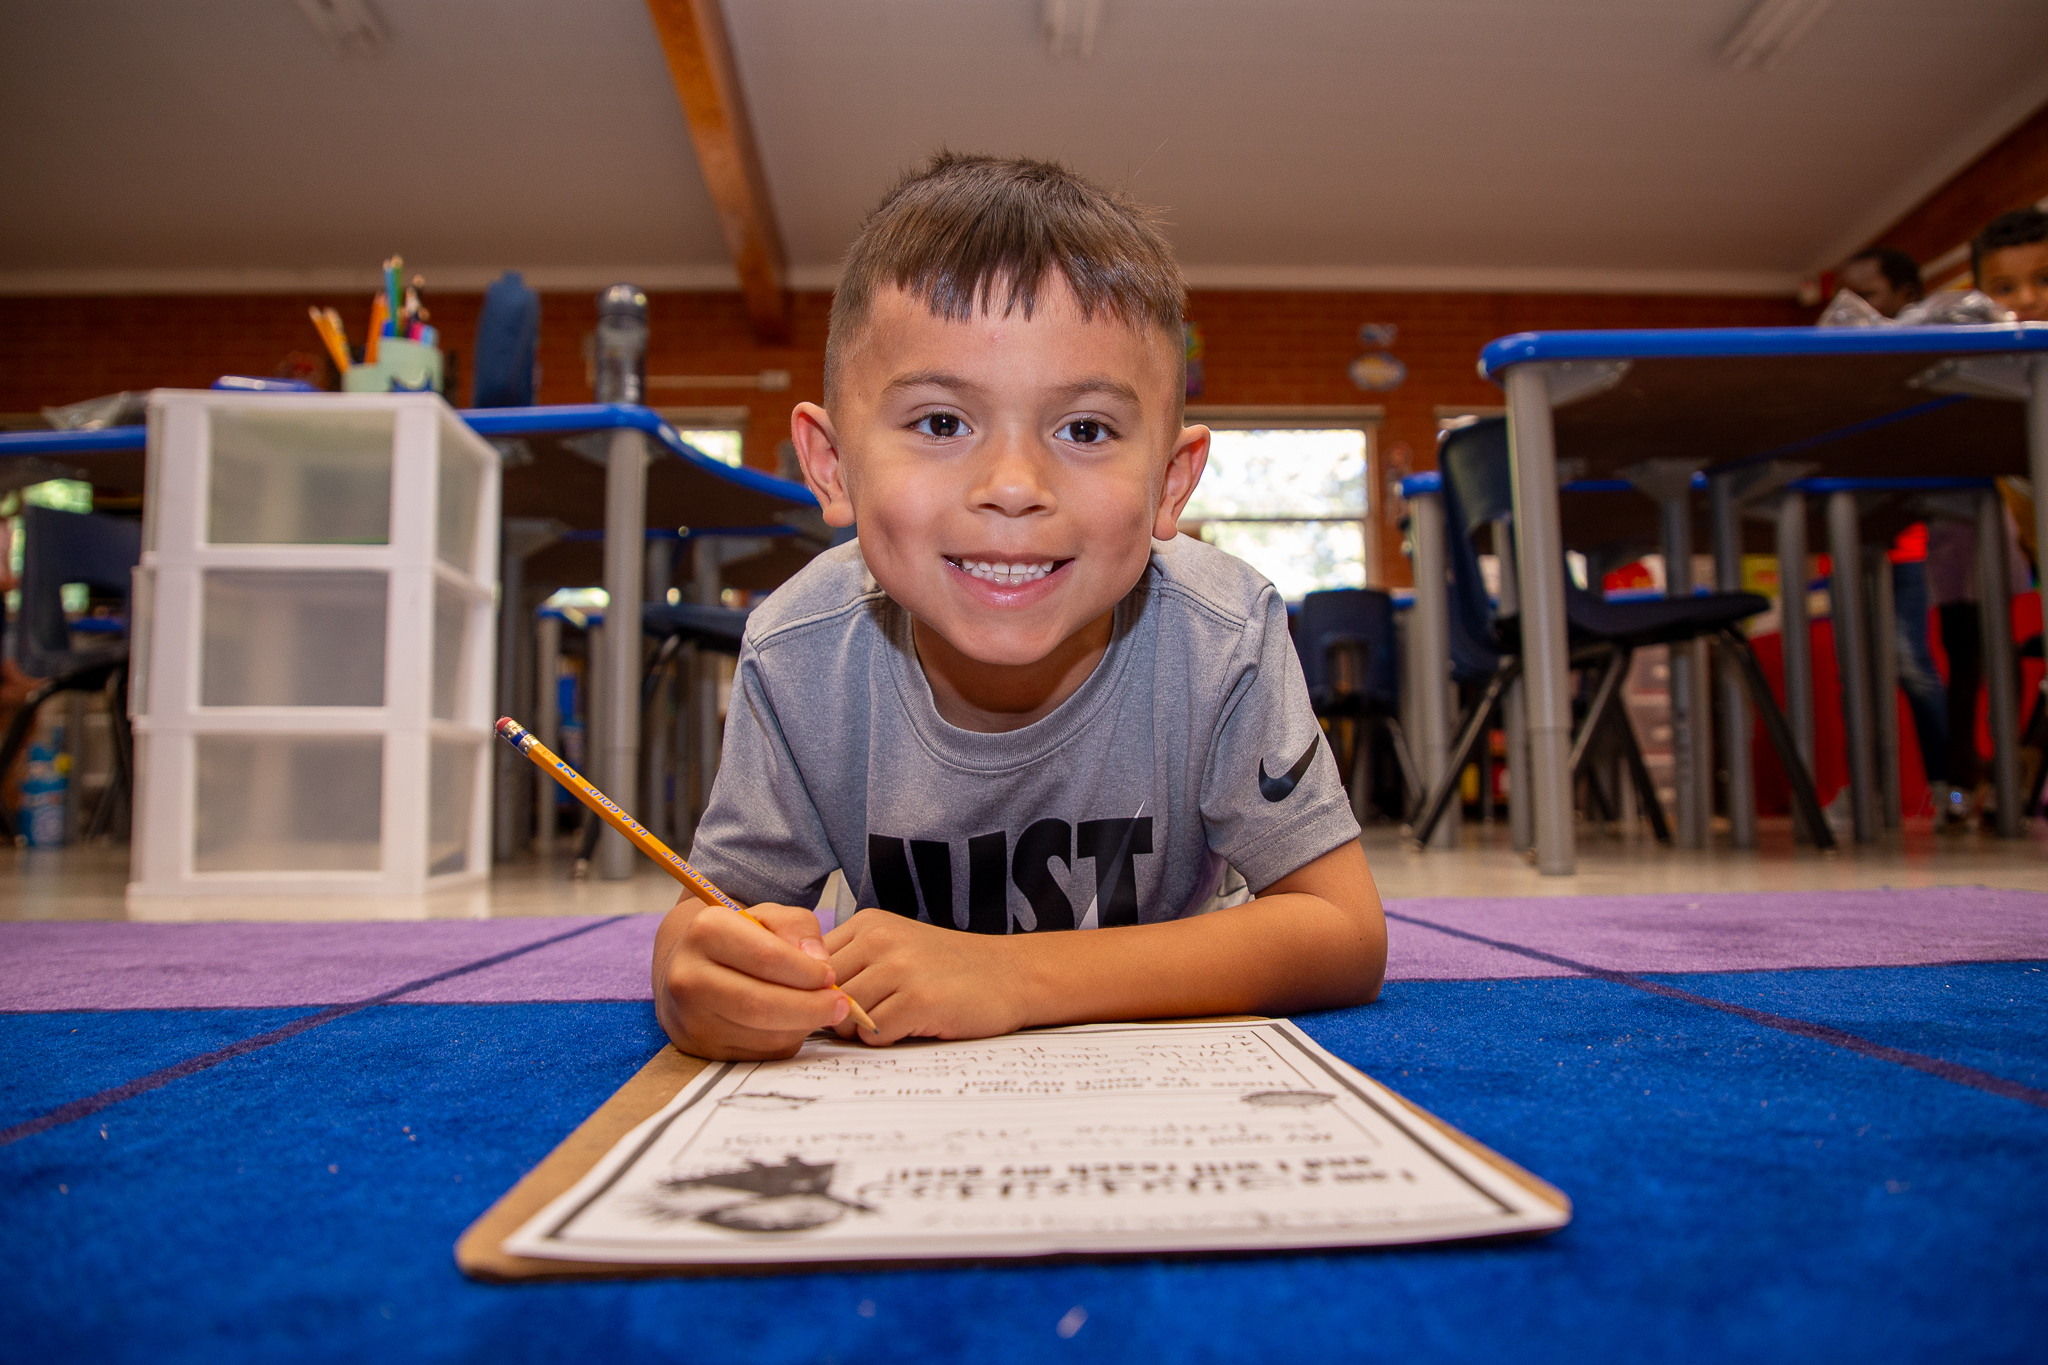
(1084, 431)
(940, 424)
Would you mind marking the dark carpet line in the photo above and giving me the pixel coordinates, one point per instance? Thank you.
(1954, 1072)
(142, 1085)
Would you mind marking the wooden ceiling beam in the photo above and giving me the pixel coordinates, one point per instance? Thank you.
(700, 63)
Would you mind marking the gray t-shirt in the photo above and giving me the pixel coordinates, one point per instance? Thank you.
(1190, 751)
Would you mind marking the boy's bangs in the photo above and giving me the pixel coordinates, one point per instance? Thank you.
(976, 236)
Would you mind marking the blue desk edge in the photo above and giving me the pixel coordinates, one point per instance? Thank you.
(1521, 348)
(559, 419)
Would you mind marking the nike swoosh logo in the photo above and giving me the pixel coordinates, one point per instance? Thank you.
(1280, 788)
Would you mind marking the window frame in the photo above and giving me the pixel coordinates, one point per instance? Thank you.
(1366, 418)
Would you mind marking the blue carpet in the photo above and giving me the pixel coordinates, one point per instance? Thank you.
(1982, 1014)
(1741, 1192)
(53, 1058)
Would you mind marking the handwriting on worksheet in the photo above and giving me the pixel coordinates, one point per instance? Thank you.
(1121, 1138)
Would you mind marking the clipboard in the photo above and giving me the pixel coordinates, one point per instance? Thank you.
(480, 1252)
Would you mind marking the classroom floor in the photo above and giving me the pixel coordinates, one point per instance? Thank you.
(88, 882)
(1800, 1104)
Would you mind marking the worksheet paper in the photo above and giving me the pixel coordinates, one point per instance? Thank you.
(1108, 1138)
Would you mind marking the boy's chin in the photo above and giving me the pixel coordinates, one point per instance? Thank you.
(1004, 648)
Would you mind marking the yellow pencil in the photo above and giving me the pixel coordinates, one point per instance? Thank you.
(520, 738)
(335, 346)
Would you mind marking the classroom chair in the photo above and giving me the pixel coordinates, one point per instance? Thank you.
(714, 629)
(1345, 638)
(72, 547)
(1477, 491)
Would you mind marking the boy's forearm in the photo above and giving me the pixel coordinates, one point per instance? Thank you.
(1275, 955)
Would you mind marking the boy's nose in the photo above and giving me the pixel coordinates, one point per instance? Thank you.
(1012, 479)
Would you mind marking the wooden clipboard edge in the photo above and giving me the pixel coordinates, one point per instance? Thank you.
(480, 1251)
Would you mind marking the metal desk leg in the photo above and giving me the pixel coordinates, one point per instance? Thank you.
(547, 713)
(1430, 635)
(1884, 682)
(1852, 655)
(1539, 546)
(1735, 721)
(1514, 713)
(506, 779)
(625, 525)
(1994, 588)
(1796, 630)
(1691, 743)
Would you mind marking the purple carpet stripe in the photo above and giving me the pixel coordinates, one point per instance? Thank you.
(1953, 1072)
(1726, 931)
(101, 966)
(142, 1085)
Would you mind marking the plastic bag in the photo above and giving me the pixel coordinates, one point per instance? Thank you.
(1952, 308)
(128, 409)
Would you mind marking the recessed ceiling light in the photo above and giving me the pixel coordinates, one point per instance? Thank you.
(1070, 27)
(349, 28)
(1769, 33)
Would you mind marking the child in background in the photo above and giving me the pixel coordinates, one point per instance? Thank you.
(1019, 703)
(2009, 259)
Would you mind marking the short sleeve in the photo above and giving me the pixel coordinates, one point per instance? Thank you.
(760, 838)
(1272, 801)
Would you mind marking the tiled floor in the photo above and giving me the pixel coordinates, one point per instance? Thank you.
(87, 883)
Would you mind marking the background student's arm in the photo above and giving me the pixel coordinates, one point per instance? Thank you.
(1315, 939)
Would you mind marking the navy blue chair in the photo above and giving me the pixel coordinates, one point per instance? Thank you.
(717, 629)
(72, 547)
(1345, 638)
(1477, 489)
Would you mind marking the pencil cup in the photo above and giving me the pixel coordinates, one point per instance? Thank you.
(402, 367)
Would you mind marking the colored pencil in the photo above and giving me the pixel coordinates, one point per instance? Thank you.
(520, 738)
(377, 316)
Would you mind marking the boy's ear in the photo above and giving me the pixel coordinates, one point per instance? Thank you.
(817, 450)
(1183, 471)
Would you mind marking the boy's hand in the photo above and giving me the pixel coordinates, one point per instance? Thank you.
(922, 981)
(727, 989)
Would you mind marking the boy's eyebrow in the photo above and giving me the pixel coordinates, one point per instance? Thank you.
(1066, 393)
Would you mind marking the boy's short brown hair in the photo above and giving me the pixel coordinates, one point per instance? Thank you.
(965, 228)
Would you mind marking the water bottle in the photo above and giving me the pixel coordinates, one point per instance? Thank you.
(42, 796)
(622, 345)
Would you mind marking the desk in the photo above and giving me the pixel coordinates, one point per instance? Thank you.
(610, 467)
(1857, 401)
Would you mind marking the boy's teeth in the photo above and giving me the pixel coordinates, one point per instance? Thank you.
(1007, 575)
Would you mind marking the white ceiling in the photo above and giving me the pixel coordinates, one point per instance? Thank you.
(216, 144)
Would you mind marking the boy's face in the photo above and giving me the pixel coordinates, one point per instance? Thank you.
(1866, 277)
(1008, 475)
(2017, 278)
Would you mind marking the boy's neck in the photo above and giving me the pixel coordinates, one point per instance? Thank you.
(993, 699)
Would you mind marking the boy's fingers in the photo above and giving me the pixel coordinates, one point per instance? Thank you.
(736, 942)
(792, 924)
(745, 1002)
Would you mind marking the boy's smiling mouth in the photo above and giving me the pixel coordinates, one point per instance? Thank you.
(1007, 573)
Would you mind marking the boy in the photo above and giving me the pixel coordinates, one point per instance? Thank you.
(2010, 260)
(1017, 703)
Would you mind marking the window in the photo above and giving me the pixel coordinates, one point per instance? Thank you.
(1291, 501)
(717, 432)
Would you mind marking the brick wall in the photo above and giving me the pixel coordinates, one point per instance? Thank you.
(2012, 174)
(1263, 347)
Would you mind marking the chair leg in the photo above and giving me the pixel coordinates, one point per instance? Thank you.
(1639, 776)
(1603, 697)
(1461, 752)
(1411, 778)
(1805, 801)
